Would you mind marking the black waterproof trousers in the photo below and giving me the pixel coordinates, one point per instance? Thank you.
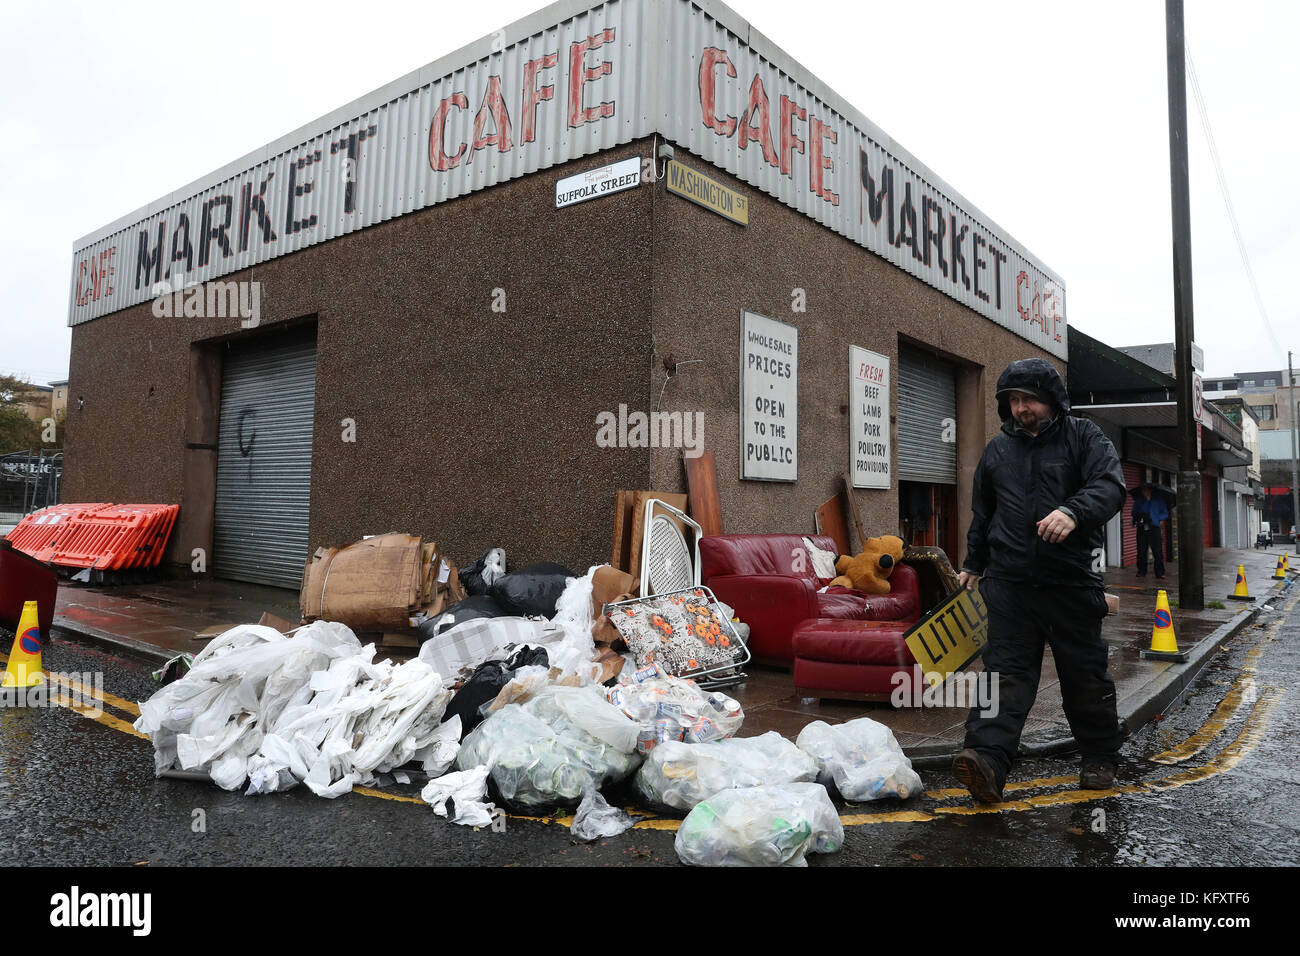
(1150, 538)
(1022, 618)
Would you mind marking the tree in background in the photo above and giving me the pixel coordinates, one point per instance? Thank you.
(17, 431)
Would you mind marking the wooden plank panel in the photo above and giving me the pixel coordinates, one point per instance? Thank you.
(621, 555)
(832, 523)
(702, 489)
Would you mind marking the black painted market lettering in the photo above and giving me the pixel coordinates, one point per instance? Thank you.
(146, 260)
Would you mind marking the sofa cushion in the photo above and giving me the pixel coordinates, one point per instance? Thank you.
(853, 642)
(826, 679)
(782, 554)
(843, 603)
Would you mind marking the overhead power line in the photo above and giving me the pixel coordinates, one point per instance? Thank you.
(1227, 196)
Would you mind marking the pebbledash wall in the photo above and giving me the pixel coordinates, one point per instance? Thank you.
(386, 228)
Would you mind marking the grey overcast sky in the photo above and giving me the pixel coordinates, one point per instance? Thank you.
(1048, 116)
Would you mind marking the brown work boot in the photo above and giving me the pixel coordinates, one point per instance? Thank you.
(974, 771)
(1096, 774)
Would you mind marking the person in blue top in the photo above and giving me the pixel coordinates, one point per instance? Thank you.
(1149, 513)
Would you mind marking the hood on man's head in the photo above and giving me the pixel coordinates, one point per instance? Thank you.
(1036, 376)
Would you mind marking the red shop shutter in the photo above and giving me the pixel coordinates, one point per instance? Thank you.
(1132, 478)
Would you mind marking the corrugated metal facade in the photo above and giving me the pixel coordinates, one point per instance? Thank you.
(600, 77)
(927, 410)
(268, 398)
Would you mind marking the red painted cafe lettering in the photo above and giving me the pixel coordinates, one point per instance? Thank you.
(95, 276)
(492, 125)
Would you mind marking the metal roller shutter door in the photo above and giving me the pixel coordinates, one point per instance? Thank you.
(927, 396)
(268, 398)
(1132, 478)
(1231, 524)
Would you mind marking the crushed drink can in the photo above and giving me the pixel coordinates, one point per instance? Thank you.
(646, 673)
(668, 709)
(703, 731)
(666, 730)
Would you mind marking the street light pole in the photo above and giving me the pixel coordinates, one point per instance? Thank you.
(1191, 580)
(1295, 487)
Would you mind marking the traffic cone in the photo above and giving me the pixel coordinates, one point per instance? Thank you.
(1279, 573)
(1241, 592)
(24, 668)
(1164, 646)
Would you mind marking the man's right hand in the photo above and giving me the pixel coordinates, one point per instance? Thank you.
(968, 580)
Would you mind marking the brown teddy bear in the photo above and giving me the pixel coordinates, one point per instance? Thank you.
(869, 572)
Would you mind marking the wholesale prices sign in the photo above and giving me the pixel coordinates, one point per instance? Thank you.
(769, 399)
(869, 453)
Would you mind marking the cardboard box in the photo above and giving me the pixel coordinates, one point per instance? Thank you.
(376, 584)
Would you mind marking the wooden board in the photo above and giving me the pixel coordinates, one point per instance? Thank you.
(621, 555)
(639, 499)
(847, 490)
(832, 523)
(702, 489)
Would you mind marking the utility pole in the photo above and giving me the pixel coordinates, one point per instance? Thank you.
(1295, 486)
(1191, 578)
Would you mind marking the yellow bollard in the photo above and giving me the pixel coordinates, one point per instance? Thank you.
(1279, 573)
(24, 668)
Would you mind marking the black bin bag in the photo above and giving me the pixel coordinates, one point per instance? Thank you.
(479, 606)
(532, 590)
(486, 682)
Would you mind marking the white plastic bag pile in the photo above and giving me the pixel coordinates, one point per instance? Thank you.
(861, 758)
(312, 708)
(679, 775)
(760, 826)
(554, 747)
(672, 709)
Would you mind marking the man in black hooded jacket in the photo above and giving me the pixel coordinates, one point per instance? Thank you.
(1043, 492)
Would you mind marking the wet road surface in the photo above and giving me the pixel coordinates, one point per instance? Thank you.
(1225, 791)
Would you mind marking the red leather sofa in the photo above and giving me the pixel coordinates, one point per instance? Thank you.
(770, 581)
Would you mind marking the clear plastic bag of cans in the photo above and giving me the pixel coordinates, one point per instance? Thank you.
(677, 776)
(761, 826)
(860, 758)
(667, 708)
(547, 752)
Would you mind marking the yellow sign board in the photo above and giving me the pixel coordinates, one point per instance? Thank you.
(950, 636)
(707, 192)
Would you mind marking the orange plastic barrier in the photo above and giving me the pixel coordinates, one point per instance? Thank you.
(99, 536)
(38, 533)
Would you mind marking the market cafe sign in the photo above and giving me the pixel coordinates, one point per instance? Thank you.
(535, 97)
